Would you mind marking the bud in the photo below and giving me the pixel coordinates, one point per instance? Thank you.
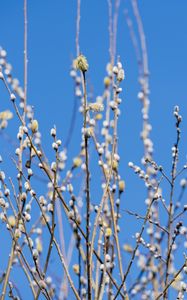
(121, 185)
(34, 126)
(76, 269)
(121, 75)
(17, 233)
(81, 63)
(42, 284)
(127, 248)
(115, 70)
(88, 132)
(6, 115)
(98, 117)
(53, 132)
(39, 246)
(35, 254)
(114, 165)
(12, 221)
(107, 81)
(96, 107)
(77, 162)
(108, 232)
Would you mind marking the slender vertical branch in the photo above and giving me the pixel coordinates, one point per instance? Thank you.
(98, 267)
(115, 26)
(110, 32)
(134, 40)
(25, 57)
(52, 226)
(103, 275)
(170, 213)
(78, 27)
(21, 150)
(87, 192)
(11, 258)
(142, 37)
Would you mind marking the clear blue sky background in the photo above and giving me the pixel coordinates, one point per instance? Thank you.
(51, 46)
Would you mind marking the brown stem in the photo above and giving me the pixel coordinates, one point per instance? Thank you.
(87, 189)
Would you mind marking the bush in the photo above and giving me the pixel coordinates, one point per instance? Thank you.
(68, 235)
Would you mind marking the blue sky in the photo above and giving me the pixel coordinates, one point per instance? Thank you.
(51, 47)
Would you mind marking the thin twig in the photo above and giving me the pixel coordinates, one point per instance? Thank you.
(78, 27)
(87, 190)
(25, 58)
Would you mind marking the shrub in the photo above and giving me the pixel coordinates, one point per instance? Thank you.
(68, 238)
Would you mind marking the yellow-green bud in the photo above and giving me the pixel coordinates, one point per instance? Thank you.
(34, 126)
(81, 63)
(96, 107)
(121, 185)
(76, 269)
(98, 117)
(39, 246)
(108, 232)
(127, 248)
(17, 234)
(11, 221)
(107, 81)
(6, 115)
(77, 162)
(114, 165)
